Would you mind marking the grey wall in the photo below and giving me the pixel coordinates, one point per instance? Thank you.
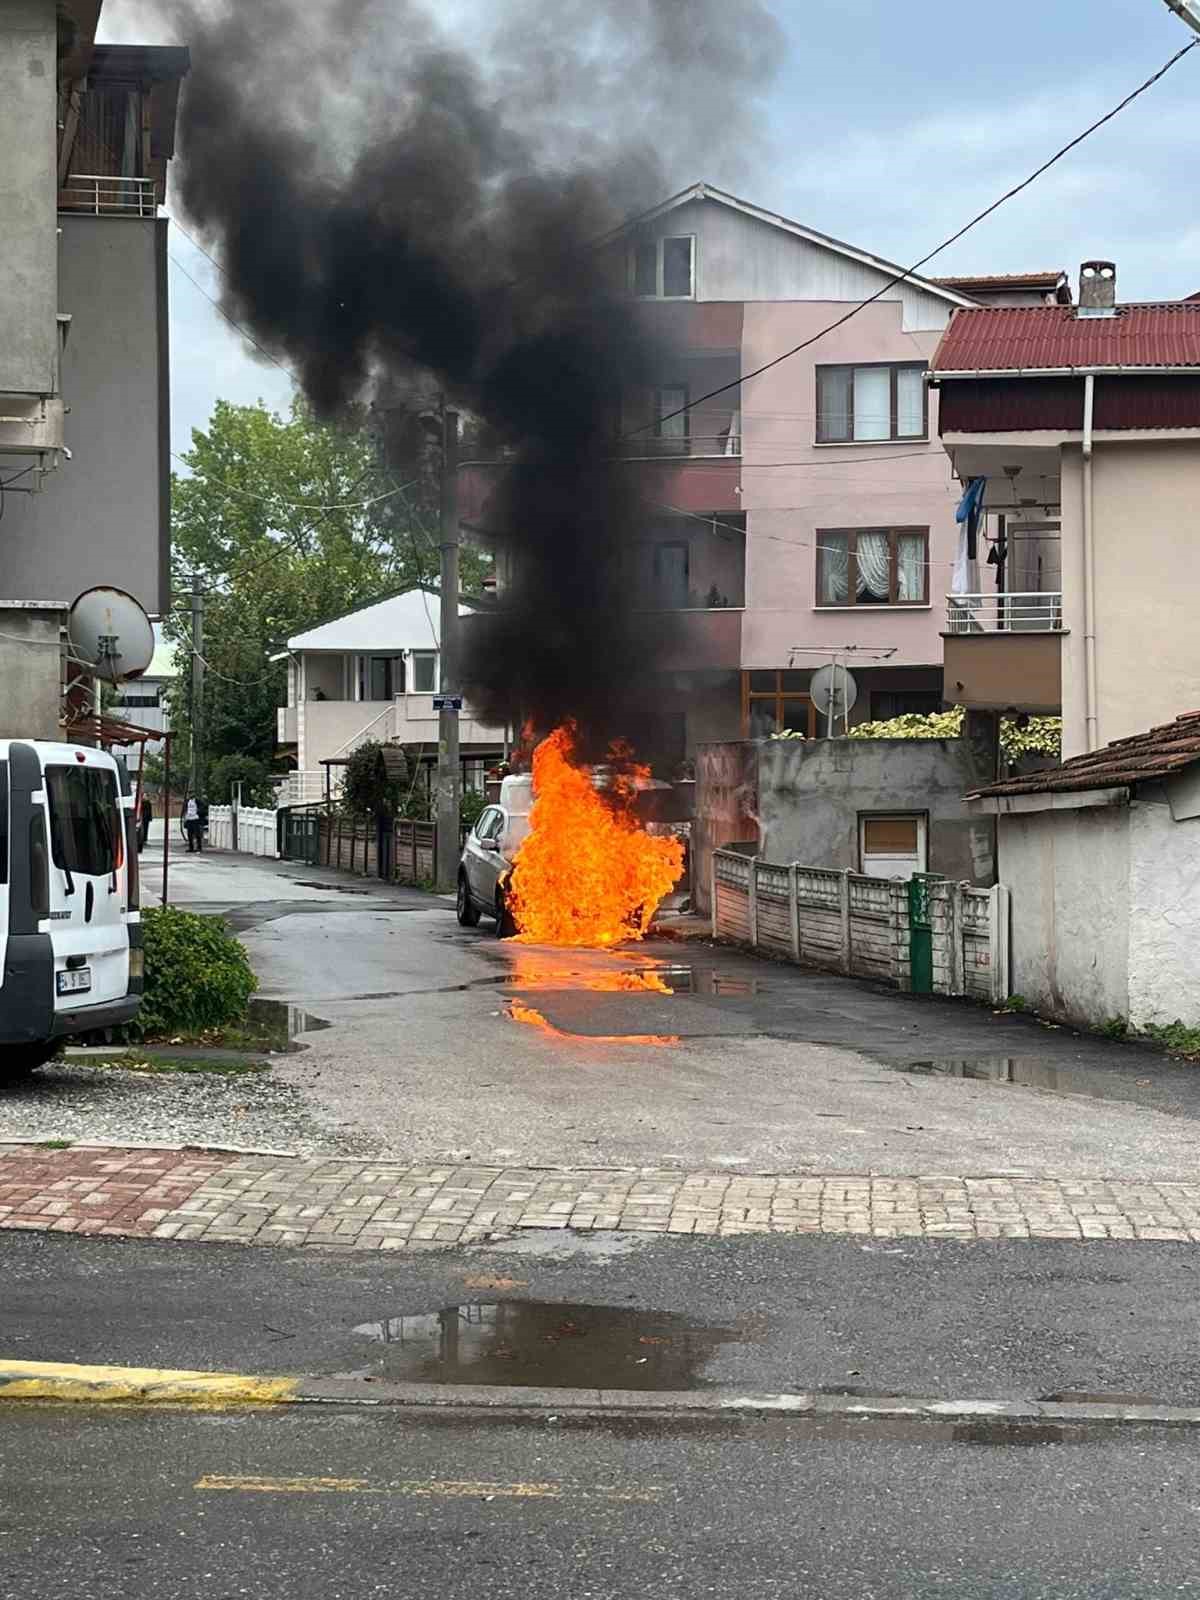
(802, 800)
(30, 672)
(102, 518)
(1069, 875)
(28, 196)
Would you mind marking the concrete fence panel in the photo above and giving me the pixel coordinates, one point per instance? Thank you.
(845, 922)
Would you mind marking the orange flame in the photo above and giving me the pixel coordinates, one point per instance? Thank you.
(588, 874)
(520, 1012)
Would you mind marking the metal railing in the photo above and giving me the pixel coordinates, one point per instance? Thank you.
(1030, 612)
(642, 447)
(102, 195)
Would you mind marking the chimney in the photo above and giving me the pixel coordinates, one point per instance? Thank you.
(1098, 289)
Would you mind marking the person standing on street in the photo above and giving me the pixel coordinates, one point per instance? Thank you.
(193, 826)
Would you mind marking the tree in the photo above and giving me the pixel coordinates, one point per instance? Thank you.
(286, 523)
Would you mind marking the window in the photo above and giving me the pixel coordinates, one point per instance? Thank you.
(671, 421)
(490, 824)
(142, 701)
(890, 566)
(886, 704)
(387, 677)
(877, 402)
(671, 571)
(424, 671)
(777, 702)
(85, 820)
(664, 269)
(892, 846)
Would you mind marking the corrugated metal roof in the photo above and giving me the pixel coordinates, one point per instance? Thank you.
(1157, 754)
(1029, 338)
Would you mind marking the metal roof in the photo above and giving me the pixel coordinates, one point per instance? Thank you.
(1049, 338)
(1159, 753)
(1012, 280)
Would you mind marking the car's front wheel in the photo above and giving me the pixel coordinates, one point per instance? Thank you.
(468, 915)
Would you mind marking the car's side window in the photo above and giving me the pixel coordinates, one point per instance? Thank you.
(490, 823)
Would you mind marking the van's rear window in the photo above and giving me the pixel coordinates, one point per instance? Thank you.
(85, 820)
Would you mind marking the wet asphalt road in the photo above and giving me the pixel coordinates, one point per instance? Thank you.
(1005, 1319)
(128, 1506)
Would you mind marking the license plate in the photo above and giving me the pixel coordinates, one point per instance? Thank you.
(77, 982)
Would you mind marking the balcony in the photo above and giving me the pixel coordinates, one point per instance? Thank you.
(102, 195)
(1003, 652)
(703, 640)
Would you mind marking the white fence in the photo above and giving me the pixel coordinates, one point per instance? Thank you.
(256, 834)
(861, 926)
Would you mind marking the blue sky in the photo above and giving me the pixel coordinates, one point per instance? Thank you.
(888, 126)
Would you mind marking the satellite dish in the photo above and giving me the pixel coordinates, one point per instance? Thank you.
(833, 689)
(110, 635)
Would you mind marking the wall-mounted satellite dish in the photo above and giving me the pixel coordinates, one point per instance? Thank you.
(110, 635)
(833, 689)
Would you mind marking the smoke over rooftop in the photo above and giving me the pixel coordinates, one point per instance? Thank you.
(386, 199)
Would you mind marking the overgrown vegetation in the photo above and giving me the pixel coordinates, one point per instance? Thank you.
(373, 786)
(253, 775)
(148, 1061)
(1041, 736)
(197, 975)
(1175, 1037)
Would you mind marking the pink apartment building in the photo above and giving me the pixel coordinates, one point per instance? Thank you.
(807, 513)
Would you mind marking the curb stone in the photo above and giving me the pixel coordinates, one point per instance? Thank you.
(63, 1382)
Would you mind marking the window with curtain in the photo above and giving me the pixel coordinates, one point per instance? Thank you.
(884, 401)
(872, 566)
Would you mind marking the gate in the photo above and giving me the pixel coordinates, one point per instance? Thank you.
(301, 836)
(920, 932)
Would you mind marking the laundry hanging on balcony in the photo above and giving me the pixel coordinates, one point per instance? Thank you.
(970, 513)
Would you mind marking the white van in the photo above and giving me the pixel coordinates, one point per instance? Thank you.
(71, 956)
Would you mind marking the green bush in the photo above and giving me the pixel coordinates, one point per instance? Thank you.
(473, 804)
(253, 775)
(369, 789)
(197, 974)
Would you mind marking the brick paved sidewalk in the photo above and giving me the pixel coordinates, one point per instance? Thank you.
(352, 1204)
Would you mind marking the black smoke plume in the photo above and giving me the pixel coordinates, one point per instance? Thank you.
(389, 200)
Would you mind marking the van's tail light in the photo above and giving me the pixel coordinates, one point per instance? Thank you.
(131, 858)
(39, 868)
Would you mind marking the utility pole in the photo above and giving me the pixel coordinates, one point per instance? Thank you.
(197, 685)
(449, 773)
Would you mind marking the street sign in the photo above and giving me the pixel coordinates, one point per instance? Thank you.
(447, 702)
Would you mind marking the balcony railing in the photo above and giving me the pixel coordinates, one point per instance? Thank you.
(102, 195)
(645, 447)
(1039, 612)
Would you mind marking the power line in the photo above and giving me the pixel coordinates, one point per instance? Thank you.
(925, 259)
(292, 505)
(216, 304)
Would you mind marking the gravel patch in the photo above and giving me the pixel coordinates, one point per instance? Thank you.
(66, 1100)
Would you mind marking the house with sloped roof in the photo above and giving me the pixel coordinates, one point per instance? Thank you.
(372, 675)
(1079, 426)
(1102, 860)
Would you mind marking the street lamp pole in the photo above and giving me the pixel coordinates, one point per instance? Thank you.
(1187, 11)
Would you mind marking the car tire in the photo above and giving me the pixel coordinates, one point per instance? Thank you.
(19, 1060)
(465, 908)
(505, 925)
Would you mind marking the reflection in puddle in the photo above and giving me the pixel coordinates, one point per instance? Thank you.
(282, 1017)
(1025, 1071)
(548, 1344)
(534, 973)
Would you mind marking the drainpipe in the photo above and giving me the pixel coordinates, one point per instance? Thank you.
(1089, 569)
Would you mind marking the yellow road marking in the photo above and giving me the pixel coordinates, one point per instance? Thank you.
(431, 1488)
(68, 1381)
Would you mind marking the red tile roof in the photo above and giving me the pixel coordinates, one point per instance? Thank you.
(1033, 338)
(1157, 754)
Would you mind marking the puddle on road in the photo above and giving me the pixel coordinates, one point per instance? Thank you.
(283, 1017)
(547, 1344)
(1024, 1072)
(694, 980)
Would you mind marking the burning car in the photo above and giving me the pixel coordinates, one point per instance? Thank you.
(564, 858)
